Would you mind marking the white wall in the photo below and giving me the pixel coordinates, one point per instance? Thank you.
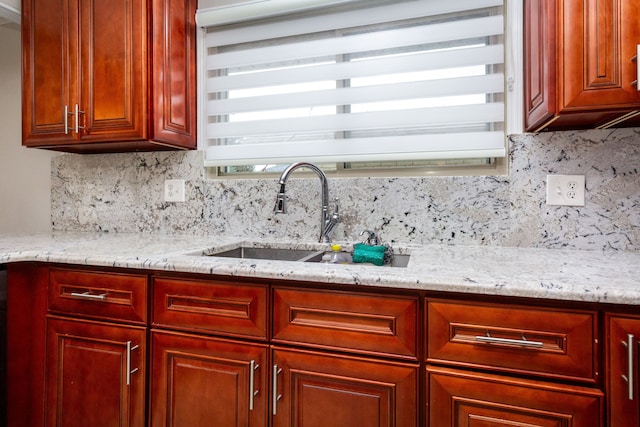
(25, 174)
(13, 3)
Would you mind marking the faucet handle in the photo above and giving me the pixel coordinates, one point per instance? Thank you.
(281, 201)
(372, 238)
(335, 217)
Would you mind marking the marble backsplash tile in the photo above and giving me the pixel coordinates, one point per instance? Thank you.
(123, 193)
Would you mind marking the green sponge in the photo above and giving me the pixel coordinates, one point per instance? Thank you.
(368, 253)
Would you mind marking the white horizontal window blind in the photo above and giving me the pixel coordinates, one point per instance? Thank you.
(398, 81)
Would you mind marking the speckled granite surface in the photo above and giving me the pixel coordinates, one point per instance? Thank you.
(563, 274)
(123, 193)
(486, 235)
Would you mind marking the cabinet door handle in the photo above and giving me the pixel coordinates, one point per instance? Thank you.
(522, 343)
(629, 377)
(276, 396)
(88, 295)
(129, 370)
(637, 61)
(76, 113)
(253, 367)
(66, 120)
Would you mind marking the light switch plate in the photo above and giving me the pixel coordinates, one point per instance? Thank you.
(565, 190)
(174, 190)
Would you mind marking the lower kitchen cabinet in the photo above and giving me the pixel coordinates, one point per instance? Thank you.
(199, 381)
(622, 380)
(95, 374)
(458, 398)
(316, 389)
(107, 347)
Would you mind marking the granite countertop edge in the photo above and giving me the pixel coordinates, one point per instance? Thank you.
(561, 274)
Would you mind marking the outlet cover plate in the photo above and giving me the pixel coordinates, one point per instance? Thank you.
(565, 190)
(174, 190)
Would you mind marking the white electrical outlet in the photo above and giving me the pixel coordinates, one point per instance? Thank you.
(565, 190)
(174, 190)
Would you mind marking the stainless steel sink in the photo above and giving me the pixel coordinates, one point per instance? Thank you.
(249, 251)
(400, 260)
(275, 254)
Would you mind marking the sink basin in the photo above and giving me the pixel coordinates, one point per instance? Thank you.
(399, 260)
(275, 253)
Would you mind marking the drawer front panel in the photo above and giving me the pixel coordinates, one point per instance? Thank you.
(226, 308)
(475, 399)
(513, 339)
(110, 296)
(370, 324)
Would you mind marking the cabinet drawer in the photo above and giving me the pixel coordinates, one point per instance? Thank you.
(227, 308)
(372, 324)
(480, 399)
(110, 296)
(552, 343)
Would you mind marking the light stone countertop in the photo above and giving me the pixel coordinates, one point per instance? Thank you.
(606, 277)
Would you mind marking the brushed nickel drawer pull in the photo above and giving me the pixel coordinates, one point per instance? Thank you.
(253, 367)
(276, 396)
(629, 377)
(524, 342)
(129, 370)
(66, 120)
(77, 112)
(637, 67)
(88, 295)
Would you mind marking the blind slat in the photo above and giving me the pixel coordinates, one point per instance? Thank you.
(421, 117)
(467, 29)
(226, 35)
(485, 84)
(438, 146)
(485, 55)
(209, 13)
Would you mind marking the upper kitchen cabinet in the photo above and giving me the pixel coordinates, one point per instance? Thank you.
(581, 68)
(109, 75)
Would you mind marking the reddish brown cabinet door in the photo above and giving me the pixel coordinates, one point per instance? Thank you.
(580, 63)
(598, 44)
(466, 399)
(95, 374)
(198, 381)
(47, 70)
(111, 74)
(108, 75)
(173, 73)
(540, 58)
(623, 364)
(314, 389)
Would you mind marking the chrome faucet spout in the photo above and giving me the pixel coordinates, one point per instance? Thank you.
(327, 224)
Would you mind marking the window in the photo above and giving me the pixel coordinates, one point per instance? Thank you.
(396, 84)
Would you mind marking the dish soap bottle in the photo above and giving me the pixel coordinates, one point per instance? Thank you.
(339, 257)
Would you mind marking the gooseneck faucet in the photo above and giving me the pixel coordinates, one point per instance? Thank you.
(327, 223)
